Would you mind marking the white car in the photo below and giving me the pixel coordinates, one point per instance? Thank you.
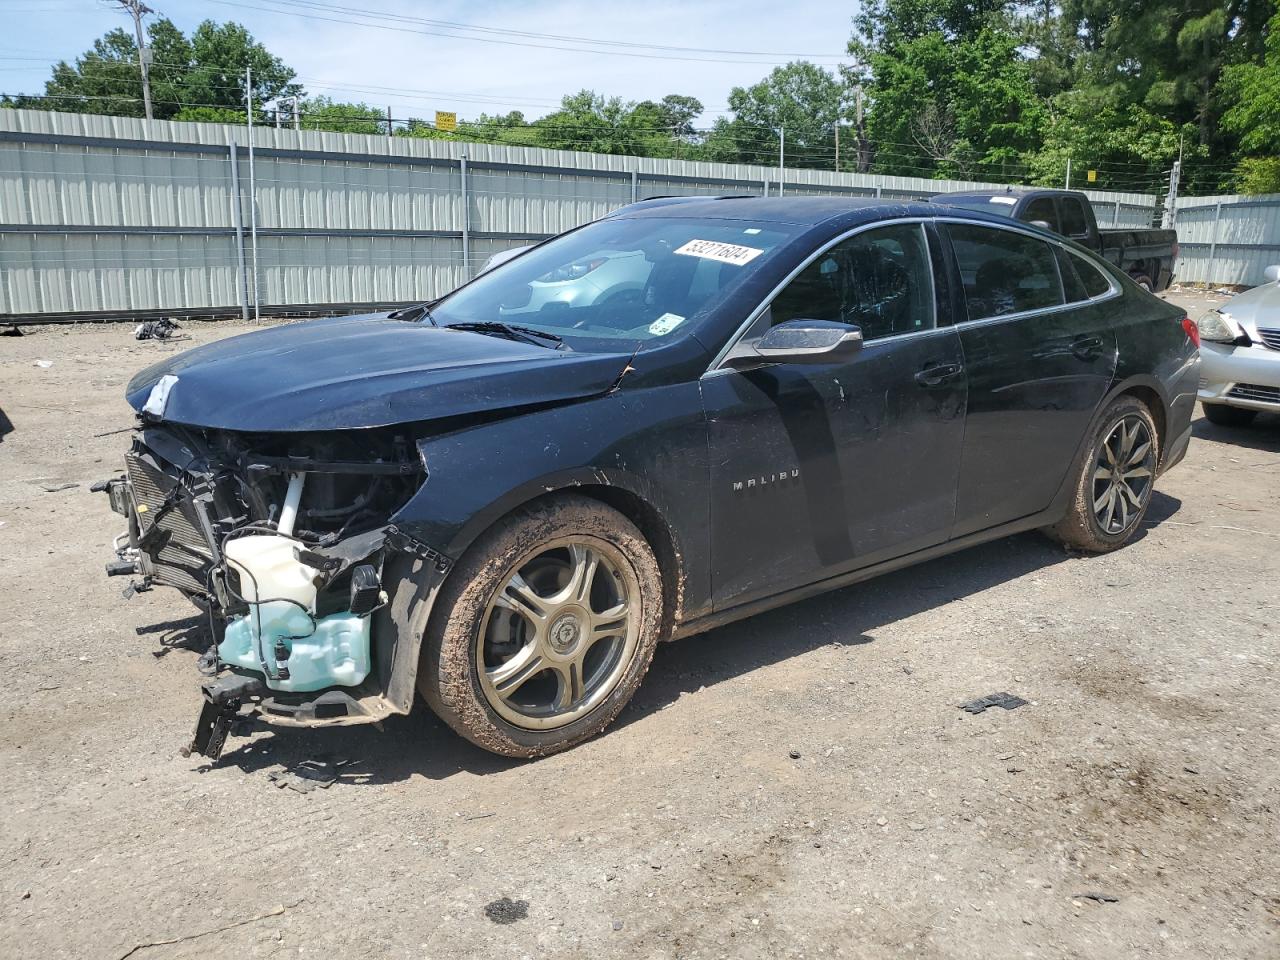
(1240, 355)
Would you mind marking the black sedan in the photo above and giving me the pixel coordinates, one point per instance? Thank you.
(650, 425)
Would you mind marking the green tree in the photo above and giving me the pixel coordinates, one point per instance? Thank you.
(805, 100)
(1252, 91)
(1252, 94)
(322, 113)
(206, 70)
(954, 107)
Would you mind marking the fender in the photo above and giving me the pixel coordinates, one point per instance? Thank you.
(478, 474)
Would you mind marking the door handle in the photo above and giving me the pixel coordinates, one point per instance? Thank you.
(938, 373)
(1086, 348)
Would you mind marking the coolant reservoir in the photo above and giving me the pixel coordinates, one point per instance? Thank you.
(268, 570)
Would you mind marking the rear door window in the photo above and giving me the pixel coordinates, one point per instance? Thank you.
(1074, 222)
(1004, 272)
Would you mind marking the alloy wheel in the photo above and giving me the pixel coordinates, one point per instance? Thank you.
(559, 634)
(1122, 475)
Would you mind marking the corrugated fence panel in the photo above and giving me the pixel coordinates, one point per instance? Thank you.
(1228, 239)
(118, 215)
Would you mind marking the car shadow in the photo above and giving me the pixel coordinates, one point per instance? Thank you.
(422, 745)
(1262, 434)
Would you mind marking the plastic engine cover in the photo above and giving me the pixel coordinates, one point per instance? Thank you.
(334, 654)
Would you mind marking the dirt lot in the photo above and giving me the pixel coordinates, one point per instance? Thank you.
(1145, 768)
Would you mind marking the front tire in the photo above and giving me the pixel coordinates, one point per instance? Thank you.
(1114, 480)
(543, 631)
(1225, 416)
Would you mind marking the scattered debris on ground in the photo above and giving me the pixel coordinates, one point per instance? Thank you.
(157, 330)
(306, 775)
(1097, 897)
(1005, 700)
(507, 910)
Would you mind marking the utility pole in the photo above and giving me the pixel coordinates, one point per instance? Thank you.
(1067, 184)
(253, 197)
(864, 148)
(1170, 219)
(389, 134)
(782, 154)
(139, 10)
(837, 145)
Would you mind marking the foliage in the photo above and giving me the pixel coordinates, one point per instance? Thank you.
(206, 70)
(962, 108)
(321, 113)
(1258, 175)
(804, 100)
(1005, 90)
(1253, 90)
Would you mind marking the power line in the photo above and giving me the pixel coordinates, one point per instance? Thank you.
(300, 12)
(530, 35)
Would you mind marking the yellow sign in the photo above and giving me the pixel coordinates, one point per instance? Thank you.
(446, 121)
(1093, 176)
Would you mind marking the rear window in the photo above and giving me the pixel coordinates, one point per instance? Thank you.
(1004, 272)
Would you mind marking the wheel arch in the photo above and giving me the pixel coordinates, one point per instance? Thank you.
(1149, 391)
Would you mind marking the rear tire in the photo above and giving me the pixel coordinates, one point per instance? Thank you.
(543, 631)
(1225, 416)
(1142, 280)
(1113, 480)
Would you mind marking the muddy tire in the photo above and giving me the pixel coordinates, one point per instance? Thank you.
(1142, 280)
(1225, 416)
(1114, 477)
(544, 629)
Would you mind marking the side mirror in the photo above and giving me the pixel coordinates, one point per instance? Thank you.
(1042, 224)
(809, 341)
(1272, 273)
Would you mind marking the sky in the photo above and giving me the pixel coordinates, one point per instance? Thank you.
(381, 52)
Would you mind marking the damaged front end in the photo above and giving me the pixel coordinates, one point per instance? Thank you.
(289, 543)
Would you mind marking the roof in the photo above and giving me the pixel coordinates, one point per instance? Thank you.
(804, 211)
(1007, 192)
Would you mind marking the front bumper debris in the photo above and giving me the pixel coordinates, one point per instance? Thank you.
(188, 507)
(223, 699)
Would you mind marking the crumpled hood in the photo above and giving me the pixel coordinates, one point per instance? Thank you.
(1259, 307)
(369, 371)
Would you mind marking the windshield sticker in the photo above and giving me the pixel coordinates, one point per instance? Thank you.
(724, 252)
(665, 323)
(1009, 200)
(751, 231)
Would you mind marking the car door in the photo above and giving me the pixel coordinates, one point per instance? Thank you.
(820, 468)
(1037, 365)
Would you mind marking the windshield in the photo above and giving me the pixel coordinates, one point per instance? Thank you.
(617, 279)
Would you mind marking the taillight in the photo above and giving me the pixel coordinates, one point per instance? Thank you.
(1192, 331)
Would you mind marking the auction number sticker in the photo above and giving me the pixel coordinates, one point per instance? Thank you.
(724, 252)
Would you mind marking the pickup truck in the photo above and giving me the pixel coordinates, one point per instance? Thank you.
(1147, 255)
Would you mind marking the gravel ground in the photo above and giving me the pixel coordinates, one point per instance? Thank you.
(800, 784)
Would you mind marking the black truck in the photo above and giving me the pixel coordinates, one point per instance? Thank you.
(1147, 255)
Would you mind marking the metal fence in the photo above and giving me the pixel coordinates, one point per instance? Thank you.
(1228, 239)
(112, 216)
